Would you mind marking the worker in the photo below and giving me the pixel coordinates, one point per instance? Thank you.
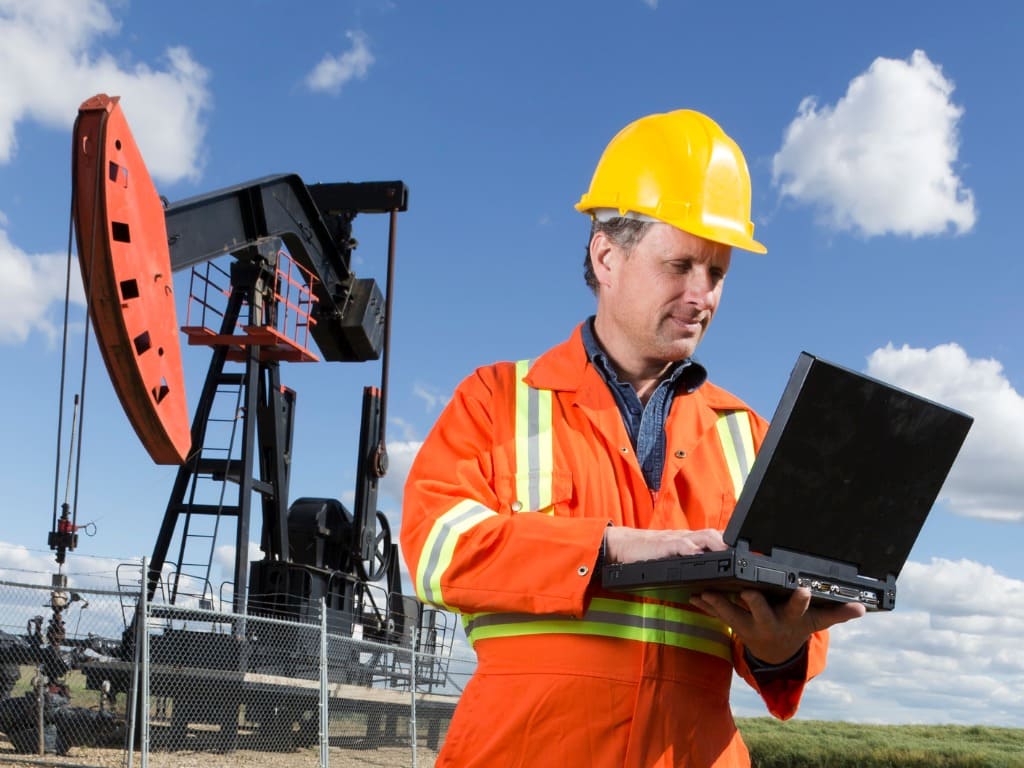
(611, 447)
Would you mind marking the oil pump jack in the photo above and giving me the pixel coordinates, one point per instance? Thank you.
(288, 294)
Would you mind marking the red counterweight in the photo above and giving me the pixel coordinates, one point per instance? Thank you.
(126, 269)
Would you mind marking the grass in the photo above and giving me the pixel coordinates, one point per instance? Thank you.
(80, 695)
(821, 744)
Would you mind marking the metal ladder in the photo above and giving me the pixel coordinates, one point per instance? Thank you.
(242, 428)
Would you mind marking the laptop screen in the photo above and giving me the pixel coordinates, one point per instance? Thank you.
(849, 469)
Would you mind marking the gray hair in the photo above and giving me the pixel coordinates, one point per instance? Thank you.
(624, 232)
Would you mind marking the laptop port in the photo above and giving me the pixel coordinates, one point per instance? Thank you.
(868, 597)
(819, 586)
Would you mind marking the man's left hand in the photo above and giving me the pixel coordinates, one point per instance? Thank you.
(774, 634)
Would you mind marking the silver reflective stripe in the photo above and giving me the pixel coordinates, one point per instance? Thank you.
(440, 546)
(534, 443)
(610, 617)
(737, 441)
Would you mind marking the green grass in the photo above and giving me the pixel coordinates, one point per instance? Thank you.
(75, 680)
(821, 744)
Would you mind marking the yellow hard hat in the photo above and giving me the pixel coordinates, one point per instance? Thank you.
(680, 168)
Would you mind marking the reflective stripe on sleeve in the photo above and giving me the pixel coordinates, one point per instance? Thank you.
(534, 444)
(440, 546)
(738, 445)
(610, 617)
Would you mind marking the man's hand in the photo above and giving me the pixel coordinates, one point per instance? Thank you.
(773, 634)
(629, 545)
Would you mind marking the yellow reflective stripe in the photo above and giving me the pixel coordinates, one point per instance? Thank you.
(738, 445)
(608, 617)
(534, 443)
(440, 545)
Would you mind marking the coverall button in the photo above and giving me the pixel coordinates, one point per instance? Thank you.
(680, 454)
(517, 505)
(583, 570)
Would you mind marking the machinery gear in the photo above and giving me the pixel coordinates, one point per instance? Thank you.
(679, 168)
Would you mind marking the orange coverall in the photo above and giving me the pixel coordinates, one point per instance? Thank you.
(503, 525)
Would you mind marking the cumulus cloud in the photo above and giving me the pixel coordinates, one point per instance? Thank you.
(31, 284)
(883, 159)
(986, 480)
(51, 63)
(333, 72)
(947, 654)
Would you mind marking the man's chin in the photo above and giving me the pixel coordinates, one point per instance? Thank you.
(685, 348)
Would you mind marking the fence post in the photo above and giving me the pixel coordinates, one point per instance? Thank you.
(133, 708)
(143, 643)
(325, 710)
(145, 666)
(412, 692)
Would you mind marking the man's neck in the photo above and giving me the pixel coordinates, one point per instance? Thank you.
(642, 374)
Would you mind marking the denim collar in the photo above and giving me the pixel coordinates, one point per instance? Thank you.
(645, 422)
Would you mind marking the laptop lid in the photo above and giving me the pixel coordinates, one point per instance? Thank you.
(848, 471)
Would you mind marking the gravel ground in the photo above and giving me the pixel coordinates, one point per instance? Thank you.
(83, 757)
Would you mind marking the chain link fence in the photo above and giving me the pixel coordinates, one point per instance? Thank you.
(85, 681)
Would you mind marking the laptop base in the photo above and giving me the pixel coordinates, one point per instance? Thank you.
(738, 569)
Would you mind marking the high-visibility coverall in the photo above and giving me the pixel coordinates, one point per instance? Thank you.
(504, 513)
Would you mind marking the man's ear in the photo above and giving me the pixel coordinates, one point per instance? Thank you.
(603, 255)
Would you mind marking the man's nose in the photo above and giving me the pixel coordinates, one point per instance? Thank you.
(700, 290)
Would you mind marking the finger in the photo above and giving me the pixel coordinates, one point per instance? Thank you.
(723, 609)
(758, 606)
(705, 540)
(823, 618)
(797, 605)
(712, 539)
(697, 602)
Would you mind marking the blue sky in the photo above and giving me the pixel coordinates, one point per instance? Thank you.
(883, 146)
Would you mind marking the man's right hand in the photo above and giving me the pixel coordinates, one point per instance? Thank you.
(628, 545)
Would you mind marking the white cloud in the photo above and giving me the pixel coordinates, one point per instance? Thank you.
(400, 457)
(882, 160)
(986, 480)
(335, 71)
(50, 65)
(947, 654)
(23, 565)
(31, 284)
(433, 399)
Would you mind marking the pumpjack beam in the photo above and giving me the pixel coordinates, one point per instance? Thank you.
(315, 224)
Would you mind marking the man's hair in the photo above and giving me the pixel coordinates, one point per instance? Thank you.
(625, 233)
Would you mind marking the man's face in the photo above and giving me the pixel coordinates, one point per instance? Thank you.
(655, 302)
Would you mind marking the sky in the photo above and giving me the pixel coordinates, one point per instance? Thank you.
(884, 151)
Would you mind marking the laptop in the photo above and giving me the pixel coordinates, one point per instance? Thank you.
(848, 472)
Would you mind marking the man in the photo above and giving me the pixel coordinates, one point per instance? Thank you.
(611, 447)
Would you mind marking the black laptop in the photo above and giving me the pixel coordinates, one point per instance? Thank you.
(837, 495)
